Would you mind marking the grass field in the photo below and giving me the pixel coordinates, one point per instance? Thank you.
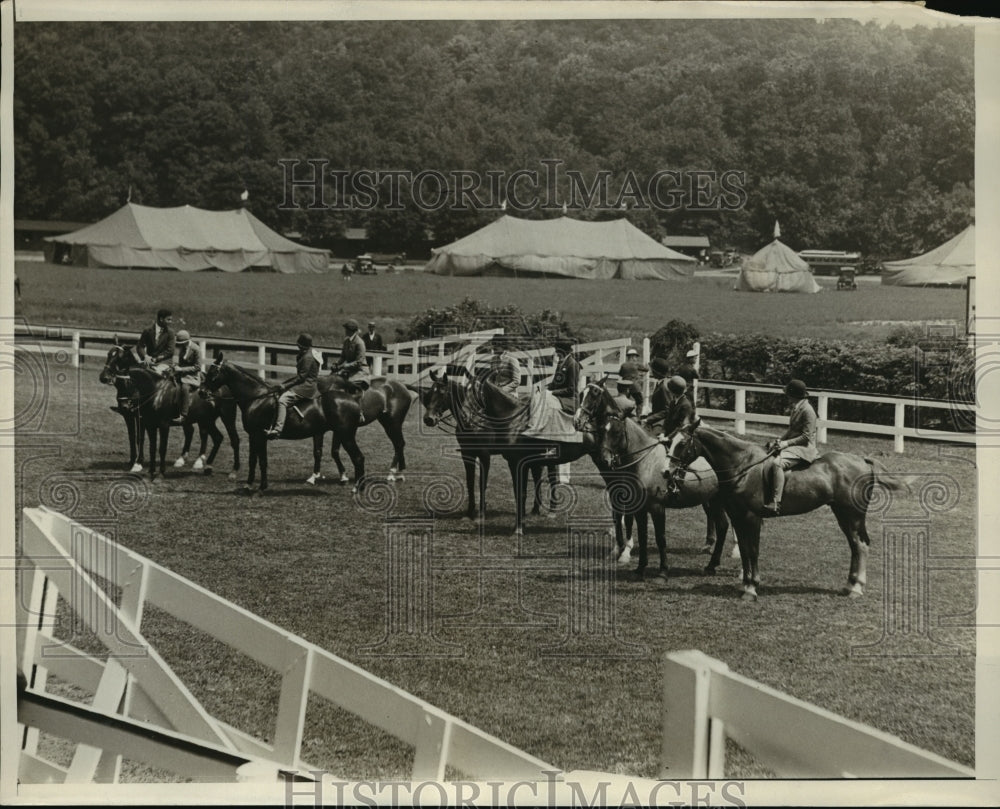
(277, 307)
(313, 560)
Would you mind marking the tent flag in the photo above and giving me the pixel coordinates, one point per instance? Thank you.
(777, 230)
(564, 247)
(949, 264)
(186, 238)
(776, 268)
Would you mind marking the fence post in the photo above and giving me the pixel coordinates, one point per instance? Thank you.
(262, 360)
(687, 743)
(645, 377)
(899, 423)
(377, 364)
(203, 348)
(76, 349)
(823, 402)
(741, 411)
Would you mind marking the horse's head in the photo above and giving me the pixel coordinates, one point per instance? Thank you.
(596, 406)
(684, 448)
(213, 374)
(117, 363)
(437, 399)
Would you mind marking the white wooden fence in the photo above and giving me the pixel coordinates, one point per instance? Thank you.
(704, 703)
(62, 559)
(411, 362)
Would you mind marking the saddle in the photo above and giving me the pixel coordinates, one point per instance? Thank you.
(547, 419)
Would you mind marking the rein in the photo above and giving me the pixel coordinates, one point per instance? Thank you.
(683, 467)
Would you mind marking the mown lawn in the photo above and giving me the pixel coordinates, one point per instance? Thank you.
(314, 561)
(277, 307)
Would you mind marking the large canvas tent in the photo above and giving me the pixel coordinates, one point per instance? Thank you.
(562, 247)
(776, 268)
(185, 238)
(950, 264)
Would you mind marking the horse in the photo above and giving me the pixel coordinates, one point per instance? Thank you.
(629, 450)
(203, 412)
(258, 402)
(475, 435)
(114, 373)
(385, 401)
(843, 481)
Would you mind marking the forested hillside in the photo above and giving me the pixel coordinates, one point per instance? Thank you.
(853, 136)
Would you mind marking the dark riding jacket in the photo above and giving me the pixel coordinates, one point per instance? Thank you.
(505, 373)
(373, 341)
(303, 384)
(566, 380)
(671, 415)
(158, 349)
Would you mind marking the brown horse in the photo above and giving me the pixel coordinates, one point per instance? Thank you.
(115, 372)
(476, 435)
(258, 402)
(842, 481)
(386, 401)
(630, 451)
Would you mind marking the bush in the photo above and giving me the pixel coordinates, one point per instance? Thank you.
(673, 341)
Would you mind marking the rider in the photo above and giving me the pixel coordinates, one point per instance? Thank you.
(187, 371)
(299, 387)
(797, 446)
(625, 398)
(352, 365)
(631, 370)
(156, 344)
(505, 370)
(566, 379)
(671, 409)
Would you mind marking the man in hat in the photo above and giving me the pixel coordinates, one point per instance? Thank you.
(565, 382)
(670, 408)
(156, 344)
(187, 371)
(632, 370)
(300, 387)
(688, 372)
(353, 365)
(625, 397)
(373, 340)
(505, 370)
(796, 447)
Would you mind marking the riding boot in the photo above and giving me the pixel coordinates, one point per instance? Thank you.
(279, 422)
(773, 506)
(185, 407)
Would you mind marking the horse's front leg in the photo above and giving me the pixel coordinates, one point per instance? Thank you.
(350, 442)
(718, 520)
(317, 458)
(642, 534)
(188, 430)
(151, 435)
(164, 436)
(536, 479)
(659, 519)
(335, 454)
(469, 462)
(134, 441)
(255, 445)
(519, 479)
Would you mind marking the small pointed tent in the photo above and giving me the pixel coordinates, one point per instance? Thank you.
(187, 239)
(776, 268)
(950, 264)
(564, 247)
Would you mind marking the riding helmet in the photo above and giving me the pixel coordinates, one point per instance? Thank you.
(564, 343)
(659, 367)
(796, 389)
(351, 325)
(676, 384)
(628, 373)
(304, 341)
(182, 336)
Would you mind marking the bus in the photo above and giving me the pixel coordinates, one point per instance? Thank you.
(829, 262)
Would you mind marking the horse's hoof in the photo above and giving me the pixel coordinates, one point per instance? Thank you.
(344, 478)
(179, 463)
(231, 476)
(552, 515)
(638, 574)
(748, 596)
(518, 533)
(708, 571)
(136, 467)
(662, 574)
(535, 512)
(198, 465)
(853, 591)
(206, 470)
(311, 480)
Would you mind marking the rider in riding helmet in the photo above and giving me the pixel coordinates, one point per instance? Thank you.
(625, 399)
(187, 371)
(565, 382)
(156, 344)
(299, 387)
(797, 446)
(353, 366)
(671, 409)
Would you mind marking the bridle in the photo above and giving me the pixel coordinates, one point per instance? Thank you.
(447, 422)
(682, 466)
(217, 366)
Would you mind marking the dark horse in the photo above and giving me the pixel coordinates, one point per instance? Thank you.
(385, 401)
(632, 452)
(114, 372)
(258, 403)
(839, 480)
(475, 433)
(203, 412)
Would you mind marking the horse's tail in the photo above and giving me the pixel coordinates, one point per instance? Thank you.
(881, 475)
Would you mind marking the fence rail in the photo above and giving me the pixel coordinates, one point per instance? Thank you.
(704, 703)
(412, 361)
(62, 558)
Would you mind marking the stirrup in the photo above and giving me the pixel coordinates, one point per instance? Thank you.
(773, 508)
(272, 433)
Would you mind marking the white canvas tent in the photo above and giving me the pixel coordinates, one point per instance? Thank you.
(563, 247)
(776, 268)
(950, 264)
(186, 238)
